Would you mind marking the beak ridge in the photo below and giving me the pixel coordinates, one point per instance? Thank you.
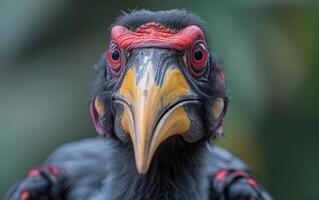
(152, 112)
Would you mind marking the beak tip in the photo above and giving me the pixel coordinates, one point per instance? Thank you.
(141, 169)
(141, 172)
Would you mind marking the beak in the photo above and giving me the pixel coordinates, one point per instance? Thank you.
(153, 104)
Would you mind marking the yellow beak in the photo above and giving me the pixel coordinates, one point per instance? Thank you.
(152, 111)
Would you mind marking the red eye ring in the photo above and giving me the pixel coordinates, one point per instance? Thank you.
(197, 59)
(114, 57)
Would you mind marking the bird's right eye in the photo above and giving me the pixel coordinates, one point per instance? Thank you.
(114, 57)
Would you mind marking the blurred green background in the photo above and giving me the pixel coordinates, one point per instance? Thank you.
(271, 53)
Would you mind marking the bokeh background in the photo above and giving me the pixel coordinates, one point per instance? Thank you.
(270, 49)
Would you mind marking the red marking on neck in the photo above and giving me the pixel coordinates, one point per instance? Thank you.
(156, 35)
(222, 76)
(252, 182)
(34, 172)
(221, 175)
(25, 195)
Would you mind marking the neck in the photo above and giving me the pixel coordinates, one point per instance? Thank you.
(175, 172)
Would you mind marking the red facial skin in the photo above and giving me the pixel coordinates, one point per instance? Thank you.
(197, 67)
(152, 34)
(155, 35)
(116, 64)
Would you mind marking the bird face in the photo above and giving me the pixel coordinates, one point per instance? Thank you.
(157, 83)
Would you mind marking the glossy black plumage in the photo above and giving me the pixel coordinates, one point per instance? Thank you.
(104, 168)
(100, 169)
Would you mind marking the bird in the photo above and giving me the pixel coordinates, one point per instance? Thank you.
(158, 103)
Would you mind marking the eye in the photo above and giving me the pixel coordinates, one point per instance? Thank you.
(198, 57)
(114, 57)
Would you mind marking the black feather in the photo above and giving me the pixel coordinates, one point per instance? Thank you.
(104, 169)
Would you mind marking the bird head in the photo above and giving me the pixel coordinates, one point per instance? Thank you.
(158, 78)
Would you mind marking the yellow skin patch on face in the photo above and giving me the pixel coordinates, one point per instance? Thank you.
(99, 106)
(218, 107)
(147, 100)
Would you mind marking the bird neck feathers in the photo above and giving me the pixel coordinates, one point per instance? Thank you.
(175, 173)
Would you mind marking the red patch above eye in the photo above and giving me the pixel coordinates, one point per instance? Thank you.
(114, 57)
(155, 35)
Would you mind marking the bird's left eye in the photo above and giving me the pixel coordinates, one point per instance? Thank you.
(197, 57)
(114, 57)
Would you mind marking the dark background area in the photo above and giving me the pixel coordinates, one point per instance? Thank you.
(270, 50)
